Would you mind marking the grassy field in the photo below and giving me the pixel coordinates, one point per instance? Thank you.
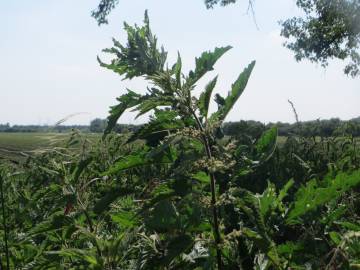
(17, 145)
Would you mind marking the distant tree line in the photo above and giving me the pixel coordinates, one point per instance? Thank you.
(323, 128)
(96, 126)
(42, 128)
(250, 128)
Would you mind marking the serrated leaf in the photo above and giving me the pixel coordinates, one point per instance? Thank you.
(139, 159)
(126, 101)
(206, 63)
(205, 96)
(311, 196)
(124, 219)
(251, 206)
(140, 57)
(268, 200)
(153, 103)
(177, 71)
(54, 222)
(110, 197)
(161, 123)
(128, 162)
(266, 145)
(237, 89)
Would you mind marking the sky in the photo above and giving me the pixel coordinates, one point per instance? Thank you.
(48, 67)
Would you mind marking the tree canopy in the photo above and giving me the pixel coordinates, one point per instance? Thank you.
(330, 29)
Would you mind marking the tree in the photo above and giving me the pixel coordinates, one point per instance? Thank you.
(103, 10)
(97, 125)
(330, 29)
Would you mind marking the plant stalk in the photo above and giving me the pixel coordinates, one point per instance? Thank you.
(216, 230)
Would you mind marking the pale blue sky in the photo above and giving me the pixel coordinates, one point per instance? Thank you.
(48, 66)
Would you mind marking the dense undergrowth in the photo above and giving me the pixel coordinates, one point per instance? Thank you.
(177, 193)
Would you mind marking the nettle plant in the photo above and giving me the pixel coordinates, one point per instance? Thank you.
(191, 208)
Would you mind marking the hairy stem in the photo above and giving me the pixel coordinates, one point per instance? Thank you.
(216, 230)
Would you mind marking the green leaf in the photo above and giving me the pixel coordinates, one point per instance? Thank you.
(81, 167)
(251, 206)
(85, 255)
(163, 217)
(128, 162)
(335, 237)
(205, 96)
(161, 123)
(124, 219)
(311, 196)
(141, 158)
(268, 200)
(126, 101)
(52, 223)
(349, 225)
(152, 103)
(140, 57)
(202, 177)
(289, 248)
(206, 63)
(177, 71)
(266, 145)
(160, 193)
(176, 247)
(283, 192)
(111, 196)
(236, 90)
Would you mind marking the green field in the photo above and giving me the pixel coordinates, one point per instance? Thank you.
(20, 145)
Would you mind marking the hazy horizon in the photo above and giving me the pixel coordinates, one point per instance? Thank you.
(49, 68)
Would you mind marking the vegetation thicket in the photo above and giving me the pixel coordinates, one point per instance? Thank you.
(178, 194)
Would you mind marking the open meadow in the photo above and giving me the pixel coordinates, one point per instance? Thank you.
(19, 145)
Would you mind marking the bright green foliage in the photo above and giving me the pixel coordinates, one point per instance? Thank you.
(142, 158)
(161, 124)
(177, 193)
(266, 144)
(255, 211)
(316, 194)
(141, 55)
